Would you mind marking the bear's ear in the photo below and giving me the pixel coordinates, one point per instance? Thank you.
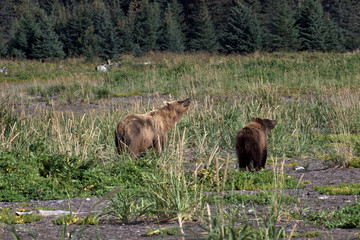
(270, 123)
(169, 104)
(256, 119)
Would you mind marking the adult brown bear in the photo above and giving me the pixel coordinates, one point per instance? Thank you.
(251, 144)
(138, 132)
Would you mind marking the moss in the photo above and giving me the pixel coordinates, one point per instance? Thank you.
(128, 94)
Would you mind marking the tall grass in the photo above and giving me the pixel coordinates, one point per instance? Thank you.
(308, 93)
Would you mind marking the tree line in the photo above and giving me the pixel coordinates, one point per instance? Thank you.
(42, 29)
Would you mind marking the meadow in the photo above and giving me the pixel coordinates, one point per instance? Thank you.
(57, 138)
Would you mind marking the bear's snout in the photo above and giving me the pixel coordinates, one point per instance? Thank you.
(185, 102)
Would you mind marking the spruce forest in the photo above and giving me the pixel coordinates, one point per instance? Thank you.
(52, 29)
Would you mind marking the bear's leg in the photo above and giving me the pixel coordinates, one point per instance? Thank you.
(255, 160)
(263, 160)
(242, 163)
(136, 146)
(121, 142)
(157, 144)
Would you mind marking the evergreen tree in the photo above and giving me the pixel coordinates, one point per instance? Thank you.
(125, 29)
(80, 38)
(47, 44)
(242, 34)
(46, 5)
(107, 40)
(7, 16)
(117, 19)
(202, 36)
(146, 28)
(283, 30)
(26, 32)
(173, 38)
(311, 24)
(3, 48)
(60, 16)
(89, 44)
(334, 40)
(127, 25)
(219, 10)
(346, 13)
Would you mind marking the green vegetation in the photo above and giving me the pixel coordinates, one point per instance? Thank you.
(162, 231)
(9, 217)
(346, 217)
(65, 220)
(261, 198)
(312, 234)
(89, 220)
(343, 150)
(244, 180)
(340, 189)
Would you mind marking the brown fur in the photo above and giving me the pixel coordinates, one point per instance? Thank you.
(251, 144)
(138, 132)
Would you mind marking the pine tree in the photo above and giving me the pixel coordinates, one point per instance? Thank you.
(7, 16)
(283, 30)
(219, 10)
(242, 34)
(59, 15)
(311, 24)
(125, 29)
(173, 38)
(127, 25)
(146, 28)
(47, 44)
(334, 40)
(143, 26)
(346, 14)
(26, 32)
(80, 38)
(3, 47)
(89, 44)
(107, 40)
(202, 36)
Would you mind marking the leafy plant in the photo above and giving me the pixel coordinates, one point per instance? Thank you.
(8, 217)
(128, 206)
(65, 220)
(346, 217)
(261, 198)
(244, 180)
(88, 220)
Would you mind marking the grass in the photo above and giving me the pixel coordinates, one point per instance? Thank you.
(51, 154)
(262, 198)
(7, 216)
(346, 217)
(65, 220)
(262, 180)
(340, 189)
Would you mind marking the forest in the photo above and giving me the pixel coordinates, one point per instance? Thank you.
(53, 29)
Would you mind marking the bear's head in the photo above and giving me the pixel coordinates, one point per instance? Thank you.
(267, 124)
(177, 108)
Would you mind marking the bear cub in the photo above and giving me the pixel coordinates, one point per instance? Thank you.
(138, 132)
(251, 144)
